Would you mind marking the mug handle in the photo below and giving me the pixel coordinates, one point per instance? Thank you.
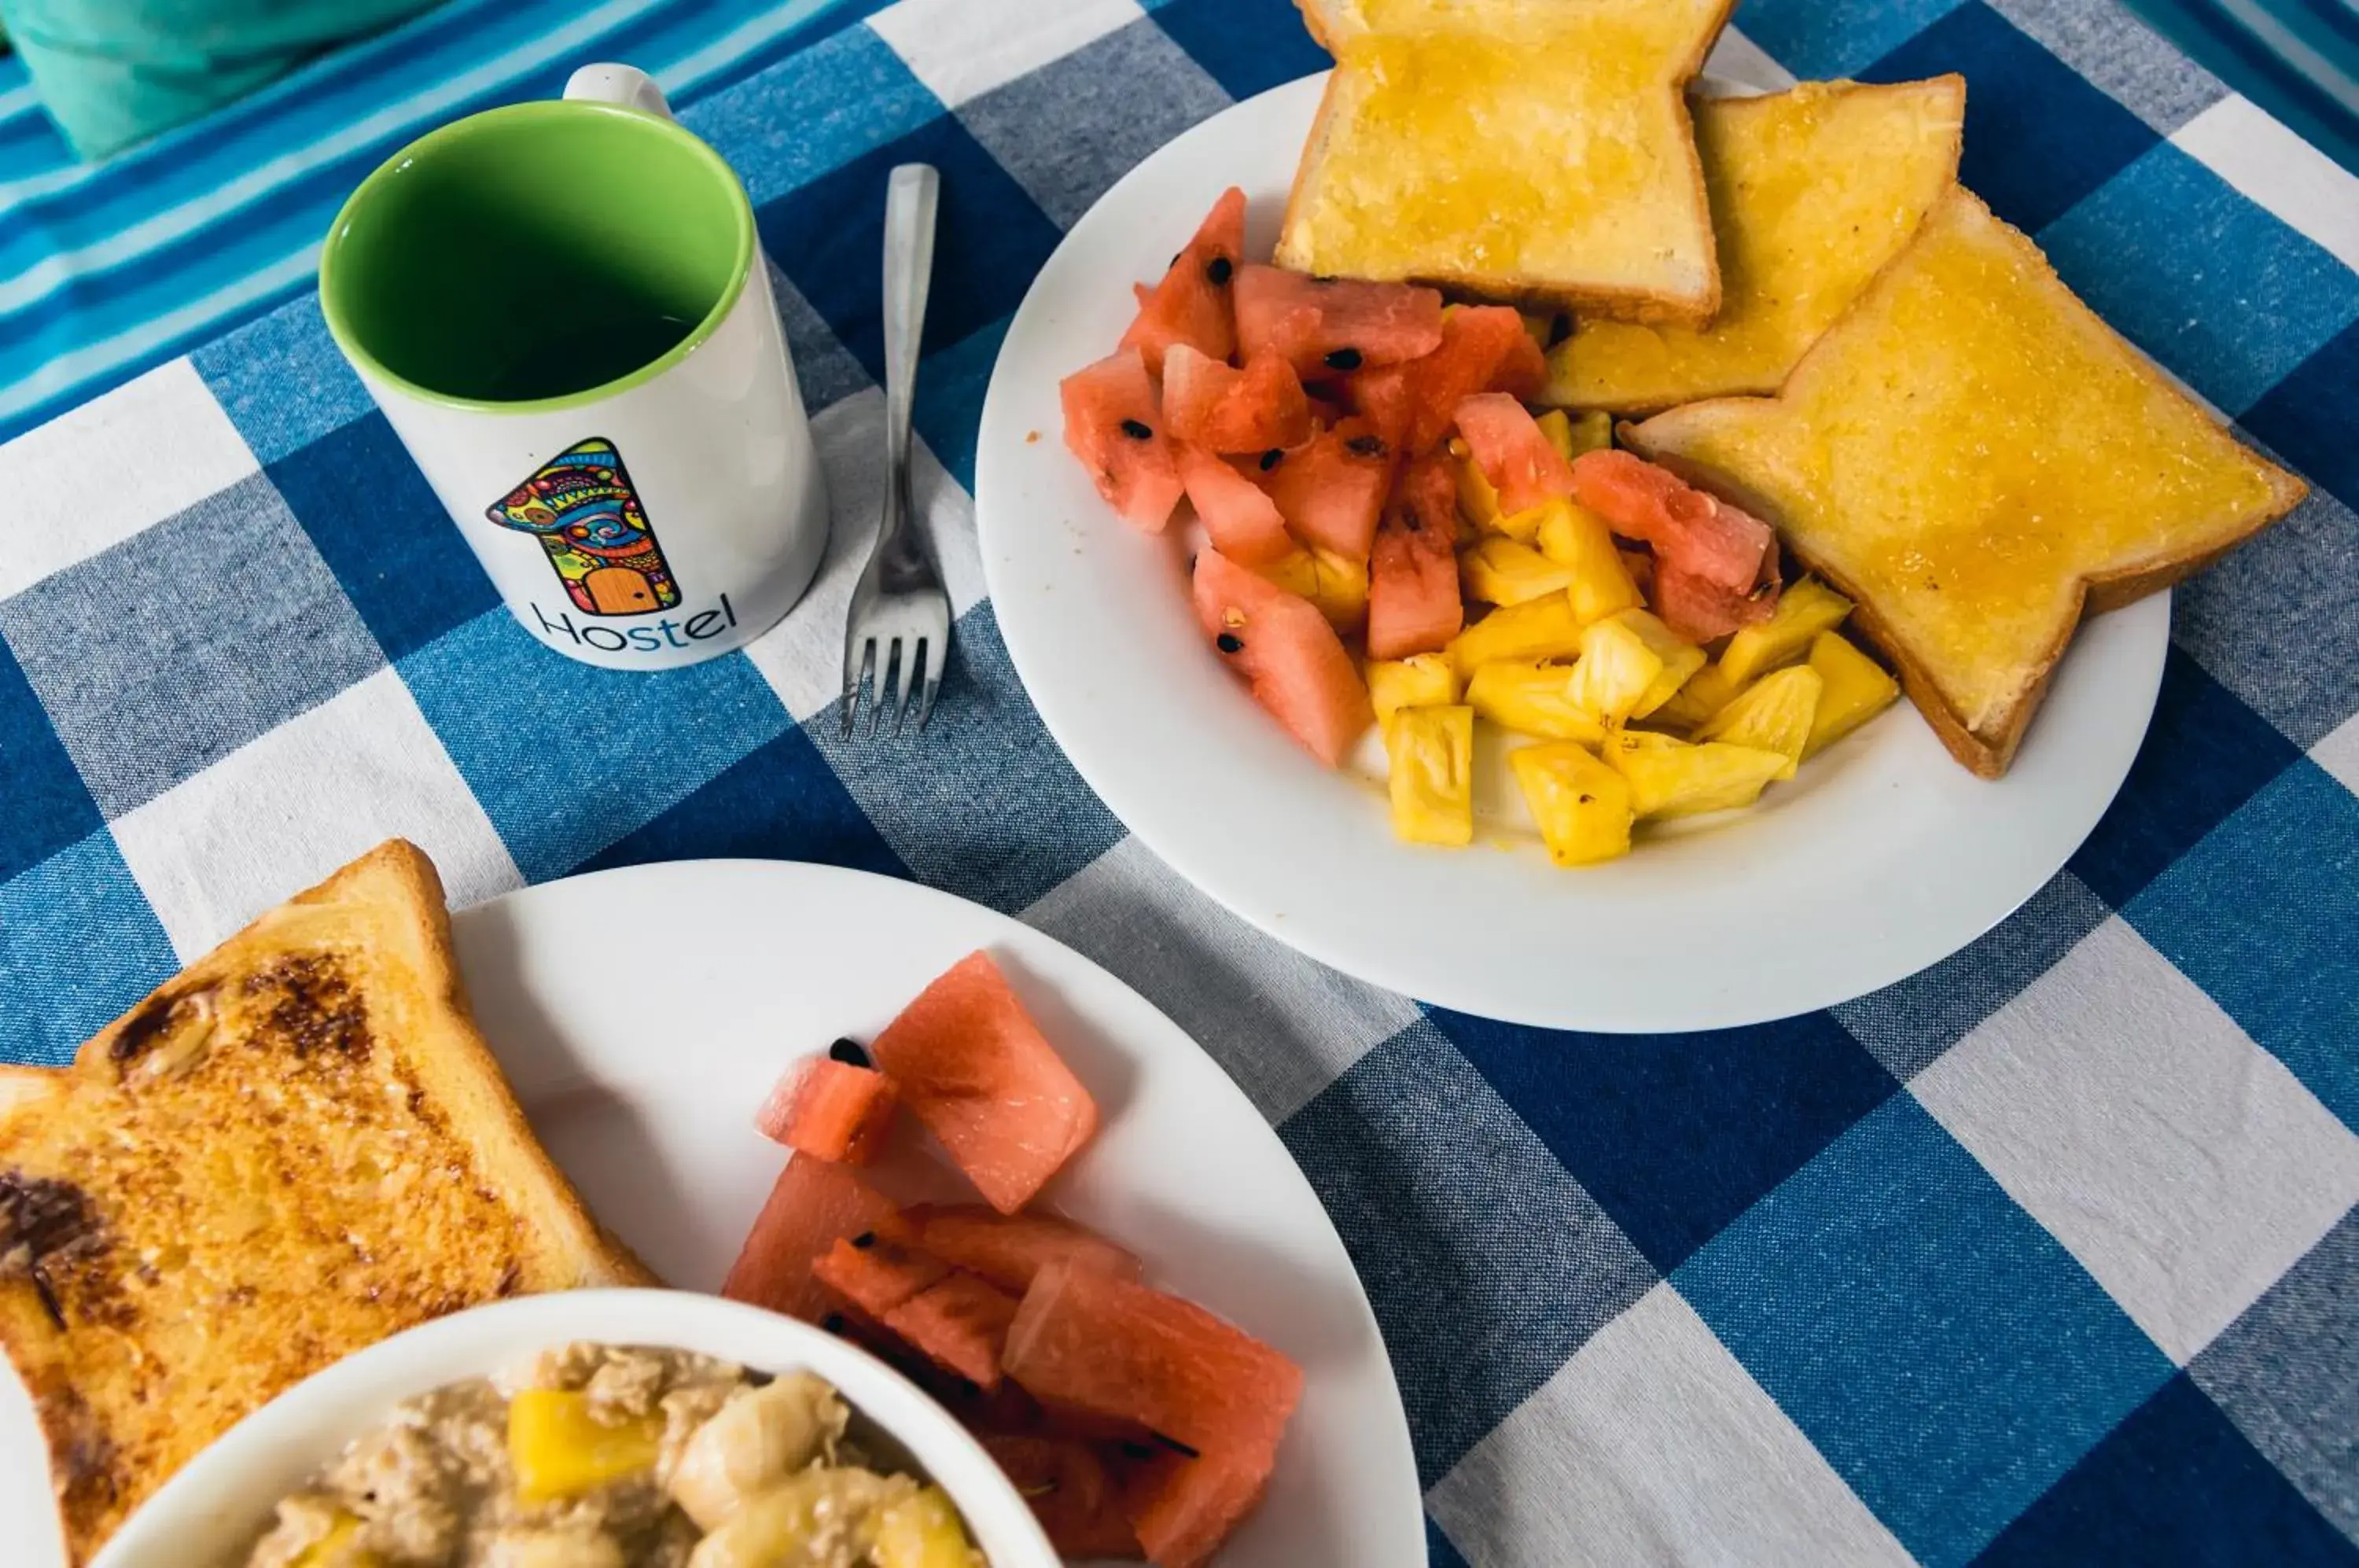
(623, 84)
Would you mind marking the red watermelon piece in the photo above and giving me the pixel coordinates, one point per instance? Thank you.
(1331, 490)
(1182, 1508)
(1515, 456)
(1191, 304)
(1414, 605)
(813, 1204)
(1483, 349)
(1009, 1249)
(1386, 398)
(1114, 426)
(977, 1069)
(834, 1110)
(1331, 326)
(1116, 1350)
(960, 1322)
(1243, 522)
(1288, 654)
(1699, 609)
(875, 1274)
(1691, 530)
(1225, 409)
(1072, 1494)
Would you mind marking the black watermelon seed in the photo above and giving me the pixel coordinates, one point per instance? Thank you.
(833, 1323)
(1367, 446)
(865, 1240)
(1139, 1451)
(1218, 269)
(1175, 1445)
(1229, 642)
(1270, 459)
(1412, 522)
(1138, 430)
(848, 1052)
(1343, 359)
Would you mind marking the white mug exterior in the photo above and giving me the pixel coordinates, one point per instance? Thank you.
(717, 449)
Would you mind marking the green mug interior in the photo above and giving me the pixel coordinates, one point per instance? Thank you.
(538, 255)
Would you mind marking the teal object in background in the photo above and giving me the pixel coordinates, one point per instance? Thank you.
(2297, 58)
(115, 72)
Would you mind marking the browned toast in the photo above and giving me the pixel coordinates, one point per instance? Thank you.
(297, 1147)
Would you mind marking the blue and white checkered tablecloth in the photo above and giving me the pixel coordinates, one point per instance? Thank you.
(2046, 1255)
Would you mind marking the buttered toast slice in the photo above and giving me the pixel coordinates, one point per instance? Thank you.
(1530, 151)
(291, 1150)
(1974, 457)
(1813, 190)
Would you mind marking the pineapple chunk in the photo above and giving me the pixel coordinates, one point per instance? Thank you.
(1478, 503)
(340, 1548)
(1804, 610)
(1421, 680)
(558, 1447)
(1336, 583)
(1432, 774)
(1558, 427)
(1617, 668)
(1671, 777)
(1707, 692)
(1498, 571)
(1541, 327)
(1594, 431)
(1540, 628)
(1574, 537)
(1535, 698)
(1857, 690)
(1582, 805)
(1523, 527)
(1773, 714)
(1681, 659)
(921, 1530)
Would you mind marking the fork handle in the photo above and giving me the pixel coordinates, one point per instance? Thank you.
(909, 200)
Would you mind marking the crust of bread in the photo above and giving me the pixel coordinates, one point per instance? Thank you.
(1649, 307)
(1988, 749)
(337, 1158)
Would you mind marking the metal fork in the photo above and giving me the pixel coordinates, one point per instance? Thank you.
(896, 634)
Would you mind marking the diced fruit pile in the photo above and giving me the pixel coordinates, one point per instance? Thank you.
(1394, 537)
(1137, 1424)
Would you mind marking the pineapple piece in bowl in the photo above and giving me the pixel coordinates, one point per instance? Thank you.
(1532, 698)
(1673, 777)
(1774, 714)
(1582, 806)
(1431, 774)
(1421, 680)
(1857, 690)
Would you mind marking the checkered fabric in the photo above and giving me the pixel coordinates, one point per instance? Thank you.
(2048, 1254)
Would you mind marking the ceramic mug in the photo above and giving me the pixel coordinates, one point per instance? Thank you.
(564, 313)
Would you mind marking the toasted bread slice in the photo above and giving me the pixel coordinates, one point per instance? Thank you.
(1812, 191)
(1535, 151)
(291, 1150)
(1975, 459)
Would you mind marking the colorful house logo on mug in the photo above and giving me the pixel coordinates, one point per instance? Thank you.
(581, 507)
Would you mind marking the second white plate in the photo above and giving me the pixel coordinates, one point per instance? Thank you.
(1883, 857)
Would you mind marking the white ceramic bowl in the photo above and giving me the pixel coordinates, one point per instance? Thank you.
(218, 1504)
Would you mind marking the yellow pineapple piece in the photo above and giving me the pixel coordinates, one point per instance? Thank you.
(1804, 610)
(1432, 774)
(1539, 326)
(558, 1447)
(1556, 426)
(1681, 659)
(1582, 805)
(1673, 777)
(1538, 628)
(921, 1530)
(1576, 538)
(1591, 431)
(1478, 503)
(1535, 698)
(1421, 680)
(1706, 693)
(1773, 714)
(1616, 670)
(1857, 690)
(1498, 571)
(1336, 583)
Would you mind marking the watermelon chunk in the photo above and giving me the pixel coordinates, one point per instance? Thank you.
(1191, 305)
(1331, 490)
(1182, 1508)
(1009, 1249)
(834, 1110)
(1514, 455)
(1219, 407)
(975, 1069)
(1386, 398)
(813, 1205)
(1072, 1494)
(1118, 1349)
(1287, 652)
(1243, 522)
(1692, 531)
(1328, 326)
(1483, 349)
(1414, 604)
(960, 1322)
(1699, 609)
(1114, 426)
(877, 1275)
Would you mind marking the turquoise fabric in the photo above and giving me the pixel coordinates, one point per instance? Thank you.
(113, 73)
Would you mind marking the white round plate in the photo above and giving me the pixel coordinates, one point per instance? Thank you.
(1882, 857)
(642, 1015)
